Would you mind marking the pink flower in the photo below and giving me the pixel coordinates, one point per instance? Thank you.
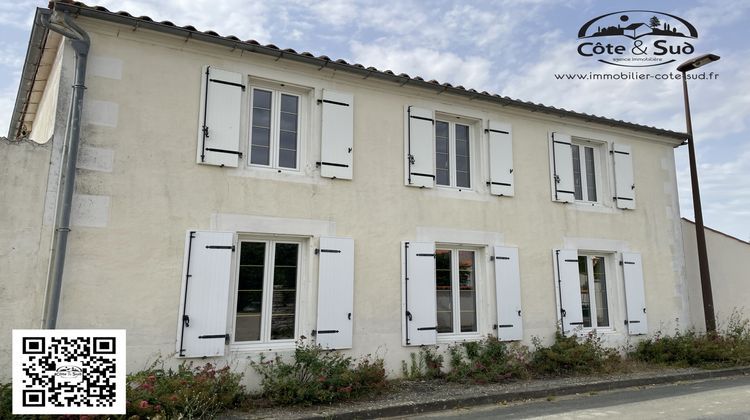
(143, 404)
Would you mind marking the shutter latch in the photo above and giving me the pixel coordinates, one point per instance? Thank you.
(186, 320)
(205, 131)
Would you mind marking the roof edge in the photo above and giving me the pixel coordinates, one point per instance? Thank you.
(189, 32)
(34, 52)
(717, 232)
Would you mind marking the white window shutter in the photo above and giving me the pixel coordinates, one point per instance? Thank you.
(337, 135)
(624, 182)
(219, 125)
(508, 292)
(501, 159)
(568, 288)
(635, 299)
(419, 298)
(420, 154)
(561, 157)
(335, 293)
(205, 294)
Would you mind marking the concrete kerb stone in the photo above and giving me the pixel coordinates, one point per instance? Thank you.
(451, 403)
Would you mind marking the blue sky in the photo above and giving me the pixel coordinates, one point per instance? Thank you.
(511, 47)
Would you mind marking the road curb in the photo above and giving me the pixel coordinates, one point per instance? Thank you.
(451, 403)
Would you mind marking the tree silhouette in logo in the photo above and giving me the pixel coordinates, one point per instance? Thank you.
(654, 22)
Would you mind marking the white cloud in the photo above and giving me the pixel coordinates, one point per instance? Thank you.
(725, 195)
(430, 64)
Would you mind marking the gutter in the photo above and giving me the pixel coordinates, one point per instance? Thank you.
(37, 43)
(63, 24)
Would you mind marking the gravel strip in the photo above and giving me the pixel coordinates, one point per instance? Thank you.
(410, 397)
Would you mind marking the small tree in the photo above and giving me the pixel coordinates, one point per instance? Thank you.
(654, 22)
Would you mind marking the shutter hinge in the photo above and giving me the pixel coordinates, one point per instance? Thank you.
(332, 251)
(220, 247)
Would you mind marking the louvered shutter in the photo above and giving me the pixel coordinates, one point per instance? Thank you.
(418, 285)
(219, 125)
(205, 294)
(635, 299)
(501, 159)
(624, 182)
(335, 293)
(563, 185)
(420, 147)
(337, 135)
(508, 292)
(568, 288)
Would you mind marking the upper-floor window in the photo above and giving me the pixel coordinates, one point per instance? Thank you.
(274, 128)
(585, 169)
(452, 154)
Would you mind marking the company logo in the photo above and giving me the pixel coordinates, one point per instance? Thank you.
(636, 38)
(69, 373)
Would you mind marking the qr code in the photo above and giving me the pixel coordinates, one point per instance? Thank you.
(68, 371)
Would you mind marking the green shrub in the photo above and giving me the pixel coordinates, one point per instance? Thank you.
(489, 360)
(574, 355)
(318, 376)
(189, 392)
(427, 364)
(729, 346)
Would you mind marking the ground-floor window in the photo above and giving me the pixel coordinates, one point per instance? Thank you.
(594, 302)
(267, 286)
(455, 280)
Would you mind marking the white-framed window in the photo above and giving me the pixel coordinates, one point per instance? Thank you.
(589, 286)
(275, 127)
(268, 272)
(592, 271)
(452, 153)
(456, 289)
(586, 170)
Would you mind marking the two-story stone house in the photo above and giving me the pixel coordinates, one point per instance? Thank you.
(231, 197)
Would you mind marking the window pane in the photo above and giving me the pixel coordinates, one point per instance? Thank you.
(248, 320)
(442, 157)
(463, 161)
(288, 140)
(441, 129)
(287, 158)
(583, 273)
(462, 179)
(259, 155)
(444, 290)
(590, 174)
(462, 132)
(252, 253)
(466, 284)
(261, 99)
(284, 291)
(288, 122)
(261, 117)
(261, 136)
(600, 288)
(289, 103)
(577, 172)
(250, 291)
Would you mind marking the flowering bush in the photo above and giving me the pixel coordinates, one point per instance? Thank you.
(189, 392)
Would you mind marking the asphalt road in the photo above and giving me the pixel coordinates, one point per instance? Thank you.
(725, 398)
